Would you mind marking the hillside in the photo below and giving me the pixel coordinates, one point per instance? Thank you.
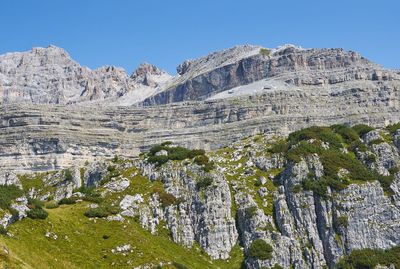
(303, 201)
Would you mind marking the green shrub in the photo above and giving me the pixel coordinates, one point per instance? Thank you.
(277, 266)
(265, 52)
(156, 148)
(178, 153)
(342, 221)
(347, 133)
(68, 175)
(208, 167)
(279, 147)
(376, 141)
(166, 199)
(196, 152)
(7, 194)
(52, 205)
(204, 183)
(317, 186)
(37, 213)
(106, 236)
(3, 231)
(201, 160)
(301, 150)
(166, 143)
(35, 203)
(296, 188)
(319, 133)
(357, 145)
(251, 211)
(393, 170)
(362, 129)
(259, 249)
(111, 168)
(370, 158)
(98, 212)
(158, 160)
(86, 190)
(393, 128)
(67, 201)
(174, 153)
(386, 181)
(370, 258)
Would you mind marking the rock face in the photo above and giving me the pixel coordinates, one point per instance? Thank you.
(203, 215)
(238, 66)
(53, 137)
(50, 76)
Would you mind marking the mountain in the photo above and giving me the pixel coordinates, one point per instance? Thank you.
(50, 76)
(249, 157)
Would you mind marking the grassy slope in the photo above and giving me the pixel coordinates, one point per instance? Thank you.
(80, 244)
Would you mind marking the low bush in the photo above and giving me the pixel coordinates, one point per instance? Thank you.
(393, 128)
(204, 183)
(158, 160)
(260, 249)
(348, 134)
(376, 141)
(67, 201)
(173, 153)
(35, 203)
(86, 190)
(357, 146)
(370, 158)
(319, 133)
(362, 129)
(296, 188)
(251, 211)
(279, 147)
(208, 167)
(370, 258)
(303, 149)
(166, 199)
(201, 160)
(98, 212)
(3, 230)
(7, 194)
(342, 221)
(68, 175)
(52, 205)
(37, 213)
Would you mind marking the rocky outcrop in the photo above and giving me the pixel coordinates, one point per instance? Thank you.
(201, 215)
(50, 76)
(217, 72)
(54, 137)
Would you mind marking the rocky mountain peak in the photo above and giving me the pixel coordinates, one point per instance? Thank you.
(148, 75)
(217, 59)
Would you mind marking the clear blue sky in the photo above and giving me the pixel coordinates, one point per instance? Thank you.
(166, 32)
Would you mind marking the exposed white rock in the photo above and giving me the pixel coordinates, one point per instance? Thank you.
(117, 185)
